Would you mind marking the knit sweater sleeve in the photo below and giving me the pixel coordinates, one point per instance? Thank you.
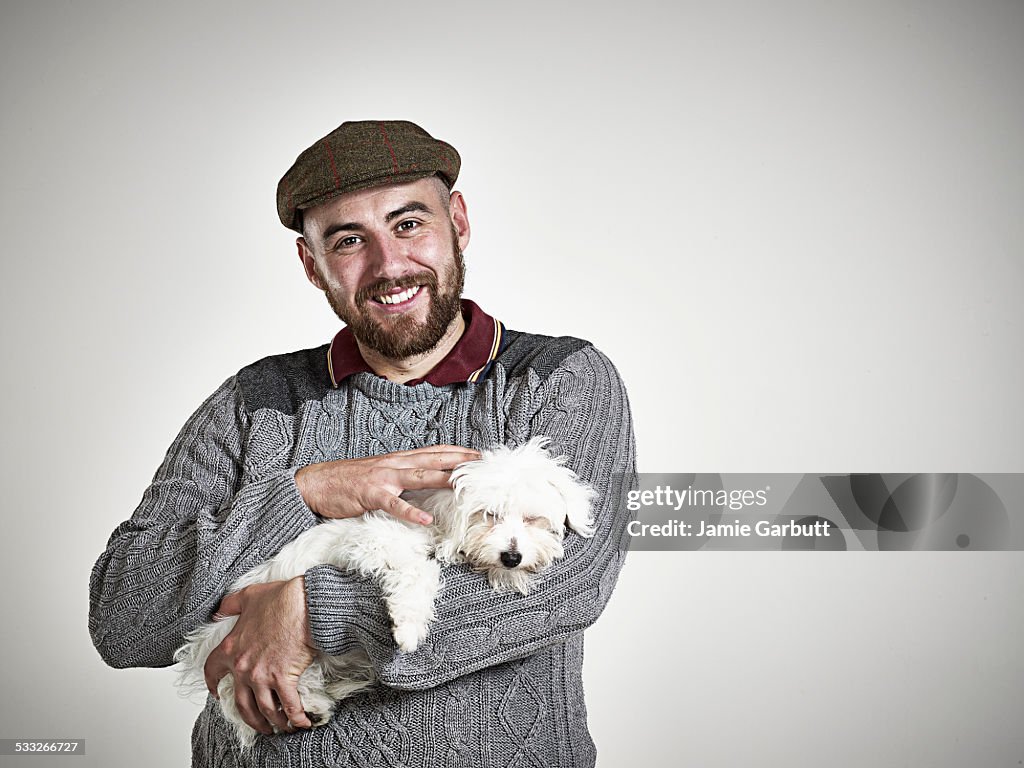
(200, 525)
(582, 406)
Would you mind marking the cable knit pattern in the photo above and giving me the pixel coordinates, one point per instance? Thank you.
(498, 681)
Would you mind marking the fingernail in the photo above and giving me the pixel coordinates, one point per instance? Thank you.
(425, 518)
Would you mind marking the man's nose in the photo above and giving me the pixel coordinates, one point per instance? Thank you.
(389, 257)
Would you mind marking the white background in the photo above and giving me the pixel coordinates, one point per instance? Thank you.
(796, 229)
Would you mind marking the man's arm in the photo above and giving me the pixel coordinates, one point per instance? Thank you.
(196, 530)
(204, 522)
(583, 407)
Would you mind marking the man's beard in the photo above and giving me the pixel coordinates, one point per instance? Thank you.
(401, 336)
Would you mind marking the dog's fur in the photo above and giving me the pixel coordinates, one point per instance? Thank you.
(505, 516)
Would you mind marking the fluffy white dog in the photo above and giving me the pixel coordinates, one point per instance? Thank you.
(505, 516)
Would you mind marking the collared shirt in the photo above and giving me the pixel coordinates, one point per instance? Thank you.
(468, 361)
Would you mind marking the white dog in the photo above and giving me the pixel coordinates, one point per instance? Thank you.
(505, 516)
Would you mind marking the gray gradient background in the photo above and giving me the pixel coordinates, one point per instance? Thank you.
(796, 229)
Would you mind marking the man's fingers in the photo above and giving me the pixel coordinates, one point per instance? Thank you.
(249, 711)
(398, 507)
(291, 706)
(231, 605)
(419, 479)
(214, 669)
(429, 449)
(267, 703)
(410, 479)
(436, 457)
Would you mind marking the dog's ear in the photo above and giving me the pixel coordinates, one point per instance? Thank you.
(579, 499)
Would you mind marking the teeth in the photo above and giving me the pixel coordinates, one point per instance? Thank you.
(398, 298)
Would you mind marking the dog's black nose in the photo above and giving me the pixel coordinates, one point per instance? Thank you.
(511, 559)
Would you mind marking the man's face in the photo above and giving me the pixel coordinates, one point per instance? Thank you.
(390, 262)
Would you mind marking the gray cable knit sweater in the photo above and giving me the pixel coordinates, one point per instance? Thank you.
(498, 680)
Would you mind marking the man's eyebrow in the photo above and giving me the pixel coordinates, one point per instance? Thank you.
(415, 205)
(335, 228)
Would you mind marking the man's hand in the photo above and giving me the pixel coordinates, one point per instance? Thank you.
(266, 651)
(350, 487)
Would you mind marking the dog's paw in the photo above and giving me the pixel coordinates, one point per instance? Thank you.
(408, 635)
(319, 707)
(318, 718)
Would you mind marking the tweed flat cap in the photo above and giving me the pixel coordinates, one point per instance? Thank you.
(362, 154)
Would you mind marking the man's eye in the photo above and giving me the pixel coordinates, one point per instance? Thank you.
(407, 225)
(347, 242)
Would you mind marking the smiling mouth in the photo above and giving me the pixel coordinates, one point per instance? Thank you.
(398, 298)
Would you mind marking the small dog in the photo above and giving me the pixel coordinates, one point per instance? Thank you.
(504, 516)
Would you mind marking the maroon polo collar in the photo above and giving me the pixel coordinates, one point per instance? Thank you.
(468, 360)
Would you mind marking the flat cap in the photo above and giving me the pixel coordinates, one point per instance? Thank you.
(361, 154)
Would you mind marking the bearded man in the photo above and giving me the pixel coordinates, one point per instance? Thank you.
(417, 382)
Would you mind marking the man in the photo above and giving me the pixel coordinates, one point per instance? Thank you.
(416, 383)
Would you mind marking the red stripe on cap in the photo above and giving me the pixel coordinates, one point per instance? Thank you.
(334, 171)
(387, 143)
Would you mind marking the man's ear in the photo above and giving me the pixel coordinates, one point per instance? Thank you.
(460, 219)
(306, 257)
